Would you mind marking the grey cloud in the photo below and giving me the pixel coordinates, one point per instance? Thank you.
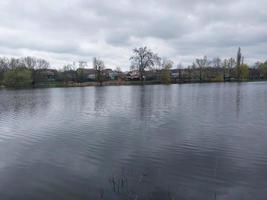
(179, 29)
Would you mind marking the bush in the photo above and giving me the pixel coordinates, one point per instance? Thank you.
(244, 72)
(218, 78)
(263, 70)
(18, 78)
(166, 72)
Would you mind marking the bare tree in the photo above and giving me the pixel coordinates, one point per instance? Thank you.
(202, 63)
(16, 63)
(67, 67)
(33, 63)
(82, 64)
(69, 74)
(232, 62)
(216, 62)
(142, 59)
(30, 62)
(42, 64)
(257, 64)
(99, 67)
(118, 69)
(227, 65)
(37, 66)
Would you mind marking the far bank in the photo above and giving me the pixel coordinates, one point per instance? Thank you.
(118, 83)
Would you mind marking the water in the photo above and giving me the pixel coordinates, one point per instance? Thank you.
(195, 141)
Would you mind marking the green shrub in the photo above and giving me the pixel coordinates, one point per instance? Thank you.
(166, 77)
(244, 72)
(218, 78)
(263, 70)
(18, 78)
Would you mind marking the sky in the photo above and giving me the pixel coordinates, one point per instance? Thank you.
(64, 31)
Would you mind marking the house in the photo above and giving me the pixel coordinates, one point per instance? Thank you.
(107, 74)
(153, 75)
(114, 75)
(175, 73)
(43, 75)
(133, 75)
(90, 74)
(51, 74)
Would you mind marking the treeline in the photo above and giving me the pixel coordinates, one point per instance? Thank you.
(151, 67)
(31, 72)
(145, 66)
(22, 72)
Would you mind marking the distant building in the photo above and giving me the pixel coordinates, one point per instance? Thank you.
(174, 73)
(107, 74)
(114, 75)
(133, 75)
(46, 75)
(152, 75)
(90, 74)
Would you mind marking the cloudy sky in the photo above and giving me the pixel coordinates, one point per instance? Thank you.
(66, 30)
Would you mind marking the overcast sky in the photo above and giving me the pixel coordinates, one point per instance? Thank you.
(62, 31)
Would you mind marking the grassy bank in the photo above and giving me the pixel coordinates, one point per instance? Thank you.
(87, 84)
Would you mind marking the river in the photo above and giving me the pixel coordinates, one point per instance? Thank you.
(192, 141)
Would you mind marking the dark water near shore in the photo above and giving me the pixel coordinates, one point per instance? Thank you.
(195, 141)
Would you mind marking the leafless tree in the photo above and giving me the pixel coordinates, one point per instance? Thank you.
(82, 64)
(202, 63)
(30, 62)
(226, 64)
(142, 59)
(37, 67)
(257, 64)
(99, 67)
(67, 67)
(118, 69)
(42, 64)
(216, 62)
(16, 63)
(232, 62)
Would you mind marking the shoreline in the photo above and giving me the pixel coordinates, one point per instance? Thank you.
(119, 83)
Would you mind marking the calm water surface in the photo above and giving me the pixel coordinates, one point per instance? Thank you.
(195, 141)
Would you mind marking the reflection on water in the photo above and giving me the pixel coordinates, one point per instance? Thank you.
(195, 141)
(20, 101)
(238, 99)
(99, 99)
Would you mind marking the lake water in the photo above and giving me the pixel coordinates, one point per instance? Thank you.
(193, 141)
